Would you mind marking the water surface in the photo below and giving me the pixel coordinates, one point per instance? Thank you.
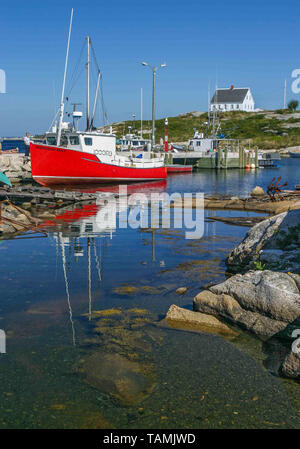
(81, 309)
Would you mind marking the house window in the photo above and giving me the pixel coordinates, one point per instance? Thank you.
(88, 141)
(232, 106)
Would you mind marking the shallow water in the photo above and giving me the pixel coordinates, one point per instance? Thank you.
(81, 310)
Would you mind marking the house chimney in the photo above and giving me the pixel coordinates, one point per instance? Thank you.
(232, 87)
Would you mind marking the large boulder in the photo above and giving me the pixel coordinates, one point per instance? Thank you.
(180, 318)
(273, 244)
(228, 308)
(263, 302)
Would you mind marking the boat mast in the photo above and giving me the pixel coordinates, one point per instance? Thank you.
(62, 104)
(96, 99)
(88, 84)
(141, 112)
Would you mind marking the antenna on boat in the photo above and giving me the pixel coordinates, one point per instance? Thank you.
(88, 84)
(62, 104)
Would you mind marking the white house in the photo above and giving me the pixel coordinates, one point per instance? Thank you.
(232, 99)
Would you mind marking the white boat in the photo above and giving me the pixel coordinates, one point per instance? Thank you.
(200, 143)
(133, 142)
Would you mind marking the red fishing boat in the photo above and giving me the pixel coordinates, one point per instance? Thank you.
(177, 168)
(69, 156)
(86, 158)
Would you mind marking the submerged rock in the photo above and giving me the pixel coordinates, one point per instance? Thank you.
(178, 317)
(126, 290)
(125, 380)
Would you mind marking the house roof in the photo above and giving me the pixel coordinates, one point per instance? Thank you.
(230, 95)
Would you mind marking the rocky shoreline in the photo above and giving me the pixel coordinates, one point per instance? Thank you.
(261, 294)
(16, 167)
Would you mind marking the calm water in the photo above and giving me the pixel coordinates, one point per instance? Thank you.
(236, 182)
(81, 309)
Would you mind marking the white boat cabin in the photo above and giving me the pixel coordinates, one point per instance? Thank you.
(95, 143)
(133, 142)
(199, 143)
(103, 145)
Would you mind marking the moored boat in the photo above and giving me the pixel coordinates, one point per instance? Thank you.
(294, 155)
(90, 158)
(69, 156)
(177, 168)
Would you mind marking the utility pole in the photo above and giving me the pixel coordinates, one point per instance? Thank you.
(153, 107)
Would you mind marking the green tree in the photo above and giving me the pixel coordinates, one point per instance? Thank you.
(293, 104)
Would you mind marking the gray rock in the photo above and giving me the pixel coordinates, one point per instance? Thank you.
(291, 365)
(256, 238)
(272, 294)
(228, 308)
(273, 241)
(264, 302)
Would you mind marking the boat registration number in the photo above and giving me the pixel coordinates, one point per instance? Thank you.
(103, 153)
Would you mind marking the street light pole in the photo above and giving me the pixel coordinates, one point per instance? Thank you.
(154, 70)
(153, 107)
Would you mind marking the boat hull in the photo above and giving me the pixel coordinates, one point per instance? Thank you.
(55, 166)
(294, 155)
(176, 168)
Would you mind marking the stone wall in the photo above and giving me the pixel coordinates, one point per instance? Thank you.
(15, 166)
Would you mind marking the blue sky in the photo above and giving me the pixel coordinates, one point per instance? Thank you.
(245, 43)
